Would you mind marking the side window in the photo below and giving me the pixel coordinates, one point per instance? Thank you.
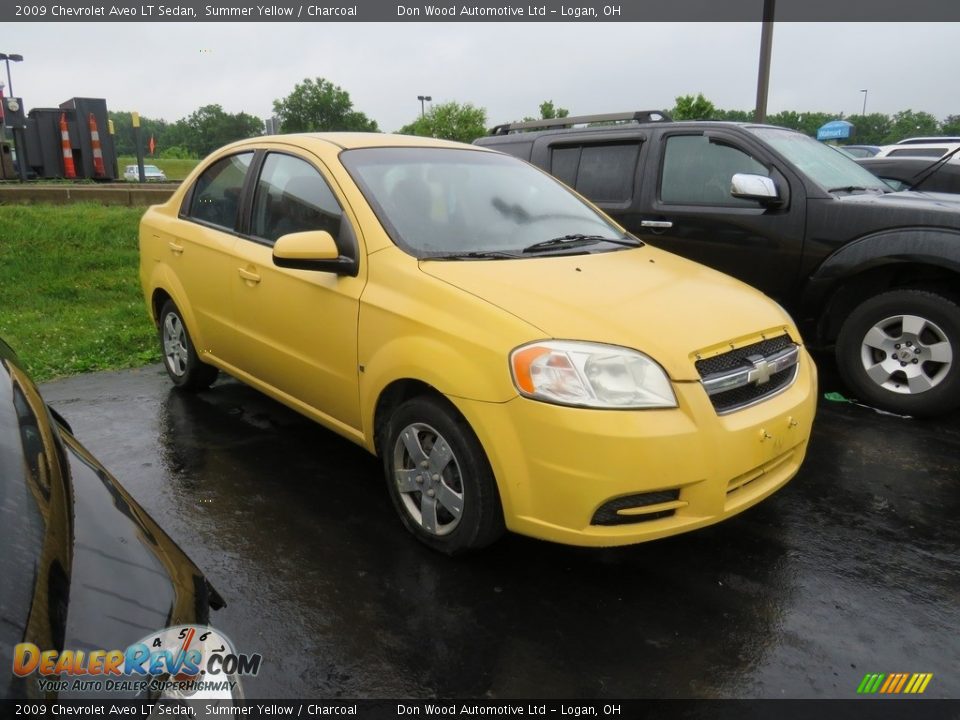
(604, 173)
(698, 172)
(293, 197)
(216, 195)
(564, 162)
(607, 172)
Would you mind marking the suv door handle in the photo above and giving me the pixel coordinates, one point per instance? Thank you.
(176, 248)
(659, 224)
(248, 276)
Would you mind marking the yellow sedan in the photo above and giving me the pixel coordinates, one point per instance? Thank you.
(515, 359)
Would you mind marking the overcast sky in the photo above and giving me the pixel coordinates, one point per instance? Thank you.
(169, 70)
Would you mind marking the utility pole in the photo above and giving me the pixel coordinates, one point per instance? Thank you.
(763, 77)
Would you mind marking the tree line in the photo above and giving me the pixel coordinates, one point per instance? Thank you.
(869, 129)
(318, 105)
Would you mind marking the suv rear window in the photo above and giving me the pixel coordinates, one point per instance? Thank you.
(605, 173)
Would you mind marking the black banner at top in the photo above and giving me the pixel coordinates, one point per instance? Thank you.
(639, 11)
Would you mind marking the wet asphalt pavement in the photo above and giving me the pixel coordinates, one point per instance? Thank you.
(852, 568)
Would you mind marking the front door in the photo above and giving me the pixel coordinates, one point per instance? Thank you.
(299, 327)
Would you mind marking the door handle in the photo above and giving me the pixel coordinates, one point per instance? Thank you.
(176, 248)
(248, 275)
(658, 224)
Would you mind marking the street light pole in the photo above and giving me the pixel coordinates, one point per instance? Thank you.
(864, 112)
(763, 74)
(7, 58)
(423, 99)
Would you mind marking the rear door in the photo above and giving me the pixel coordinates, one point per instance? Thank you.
(200, 246)
(603, 166)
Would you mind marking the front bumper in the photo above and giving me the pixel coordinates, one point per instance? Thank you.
(570, 475)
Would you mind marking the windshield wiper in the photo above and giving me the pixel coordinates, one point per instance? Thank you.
(925, 174)
(853, 188)
(578, 239)
(473, 255)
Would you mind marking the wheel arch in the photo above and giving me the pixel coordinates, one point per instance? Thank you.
(392, 397)
(165, 286)
(888, 260)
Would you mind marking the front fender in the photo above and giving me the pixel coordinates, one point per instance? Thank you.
(937, 247)
(436, 363)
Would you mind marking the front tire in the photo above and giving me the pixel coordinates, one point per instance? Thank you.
(900, 351)
(439, 478)
(180, 358)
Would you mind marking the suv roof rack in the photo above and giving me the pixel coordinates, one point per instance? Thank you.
(636, 116)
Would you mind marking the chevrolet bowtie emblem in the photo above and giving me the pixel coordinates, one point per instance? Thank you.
(762, 370)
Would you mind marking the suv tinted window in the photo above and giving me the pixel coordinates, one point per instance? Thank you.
(292, 197)
(604, 173)
(698, 172)
(216, 194)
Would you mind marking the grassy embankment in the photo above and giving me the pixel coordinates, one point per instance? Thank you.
(70, 299)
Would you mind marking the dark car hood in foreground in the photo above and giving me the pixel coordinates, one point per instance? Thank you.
(946, 179)
(83, 566)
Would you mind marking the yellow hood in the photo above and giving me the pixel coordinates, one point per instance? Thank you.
(646, 299)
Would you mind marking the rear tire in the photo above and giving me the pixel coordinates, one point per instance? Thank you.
(180, 358)
(439, 478)
(900, 351)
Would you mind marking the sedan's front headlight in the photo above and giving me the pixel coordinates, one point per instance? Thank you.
(587, 374)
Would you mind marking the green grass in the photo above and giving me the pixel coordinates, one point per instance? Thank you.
(70, 299)
(173, 169)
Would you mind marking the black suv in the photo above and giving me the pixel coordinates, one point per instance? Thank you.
(872, 272)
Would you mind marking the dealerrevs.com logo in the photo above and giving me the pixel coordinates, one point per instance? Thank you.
(185, 659)
(894, 683)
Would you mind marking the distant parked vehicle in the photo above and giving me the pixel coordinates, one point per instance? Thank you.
(861, 151)
(931, 139)
(932, 150)
(915, 173)
(150, 172)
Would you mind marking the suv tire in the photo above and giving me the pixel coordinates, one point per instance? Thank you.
(900, 351)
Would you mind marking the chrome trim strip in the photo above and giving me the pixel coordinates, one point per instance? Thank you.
(759, 374)
(763, 398)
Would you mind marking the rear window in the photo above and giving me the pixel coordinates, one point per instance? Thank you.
(216, 194)
(605, 173)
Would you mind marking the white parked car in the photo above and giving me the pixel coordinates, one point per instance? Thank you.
(932, 150)
(150, 172)
(932, 139)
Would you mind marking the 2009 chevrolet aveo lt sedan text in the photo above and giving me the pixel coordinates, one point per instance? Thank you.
(514, 358)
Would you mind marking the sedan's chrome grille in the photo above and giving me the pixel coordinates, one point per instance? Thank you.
(748, 375)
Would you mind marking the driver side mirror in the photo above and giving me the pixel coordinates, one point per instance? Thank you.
(312, 250)
(755, 187)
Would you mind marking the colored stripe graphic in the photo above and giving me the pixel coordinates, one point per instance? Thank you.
(894, 683)
(870, 683)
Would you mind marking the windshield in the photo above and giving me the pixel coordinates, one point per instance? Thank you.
(832, 170)
(446, 202)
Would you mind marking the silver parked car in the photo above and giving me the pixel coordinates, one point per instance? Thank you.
(150, 173)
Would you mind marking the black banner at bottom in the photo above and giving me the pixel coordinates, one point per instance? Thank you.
(854, 709)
